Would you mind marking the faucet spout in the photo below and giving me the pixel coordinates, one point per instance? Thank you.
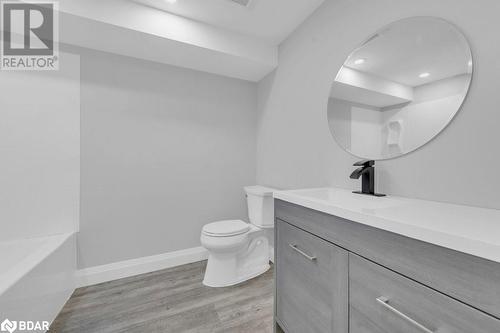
(358, 172)
(366, 171)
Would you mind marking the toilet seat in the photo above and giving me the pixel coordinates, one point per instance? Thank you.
(226, 228)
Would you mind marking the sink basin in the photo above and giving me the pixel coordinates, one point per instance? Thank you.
(466, 229)
(347, 200)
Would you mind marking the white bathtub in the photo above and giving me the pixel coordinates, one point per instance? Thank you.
(37, 276)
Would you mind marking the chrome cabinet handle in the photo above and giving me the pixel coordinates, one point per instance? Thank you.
(384, 301)
(295, 248)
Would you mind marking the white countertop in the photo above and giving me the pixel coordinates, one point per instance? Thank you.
(466, 229)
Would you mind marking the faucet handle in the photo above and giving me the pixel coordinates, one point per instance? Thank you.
(365, 163)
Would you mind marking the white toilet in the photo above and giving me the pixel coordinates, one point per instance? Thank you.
(239, 251)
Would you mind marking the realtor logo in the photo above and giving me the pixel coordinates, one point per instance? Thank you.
(29, 35)
(8, 326)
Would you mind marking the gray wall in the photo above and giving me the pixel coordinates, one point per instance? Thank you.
(40, 151)
(295, 149)
(339, 120)
(164, 151)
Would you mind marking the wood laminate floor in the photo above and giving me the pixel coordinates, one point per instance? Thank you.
(171, 300)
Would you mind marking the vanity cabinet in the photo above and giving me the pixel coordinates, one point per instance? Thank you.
(312, 282)
(368, 280)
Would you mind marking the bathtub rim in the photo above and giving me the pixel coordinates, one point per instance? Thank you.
(30, 262)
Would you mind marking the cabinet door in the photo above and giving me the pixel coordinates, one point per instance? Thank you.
(311, 283)
(382, 301)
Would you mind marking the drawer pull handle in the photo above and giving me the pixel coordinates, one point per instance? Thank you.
(295, 248)
(385, 303)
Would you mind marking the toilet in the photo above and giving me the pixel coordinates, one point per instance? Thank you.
(239, 251)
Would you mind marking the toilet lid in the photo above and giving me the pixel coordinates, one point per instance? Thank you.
(226, 228)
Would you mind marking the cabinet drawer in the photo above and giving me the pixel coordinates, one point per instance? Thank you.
(382, 301)
(311, 282)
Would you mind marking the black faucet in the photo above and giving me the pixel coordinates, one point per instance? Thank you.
(366, 170)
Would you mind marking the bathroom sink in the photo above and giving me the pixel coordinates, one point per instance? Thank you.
(345, 199)
(466, 229)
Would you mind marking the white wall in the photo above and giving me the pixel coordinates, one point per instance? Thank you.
(366, 134)
(372, 83)
(434, 107)
(295, 148)
(165, 150)
(420, 122)
(339, 119)
(40, 150)
(364, 129)
(452, 86)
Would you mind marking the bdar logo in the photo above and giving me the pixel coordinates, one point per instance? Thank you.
(8, 326)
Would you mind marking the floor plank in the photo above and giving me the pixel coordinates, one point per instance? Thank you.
(171, 300)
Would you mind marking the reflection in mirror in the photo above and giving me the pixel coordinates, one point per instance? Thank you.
(400, 88)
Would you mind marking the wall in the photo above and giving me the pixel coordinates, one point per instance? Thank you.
(422, 121)
(339, 120)
(364, 130)
(366, 136)
(295, 149)
(165, 150)
(452, 86)
(40, 150)
(434, 106)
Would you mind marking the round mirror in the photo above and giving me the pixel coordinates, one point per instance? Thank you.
(400, 88)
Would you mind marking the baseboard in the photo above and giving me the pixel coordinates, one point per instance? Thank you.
(122, 269)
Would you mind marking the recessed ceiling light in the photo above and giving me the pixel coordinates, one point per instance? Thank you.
(359, 61)
(171, 1)
(424, 75)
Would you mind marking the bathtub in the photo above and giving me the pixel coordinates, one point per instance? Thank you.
(37, 276)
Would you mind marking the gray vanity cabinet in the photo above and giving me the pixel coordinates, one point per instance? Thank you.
(311, 281)
(339, 276)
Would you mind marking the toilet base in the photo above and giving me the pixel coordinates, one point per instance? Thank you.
(233, 266)
(258, 271)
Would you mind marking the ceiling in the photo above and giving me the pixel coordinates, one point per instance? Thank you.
(268, 20)
(366, 97)
(214, 36)
(413, 46)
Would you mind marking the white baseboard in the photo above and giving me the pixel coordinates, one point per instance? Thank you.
(118, 270)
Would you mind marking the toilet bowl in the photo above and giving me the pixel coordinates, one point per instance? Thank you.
(239, 251)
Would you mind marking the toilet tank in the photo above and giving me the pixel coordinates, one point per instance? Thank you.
(260, 206)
